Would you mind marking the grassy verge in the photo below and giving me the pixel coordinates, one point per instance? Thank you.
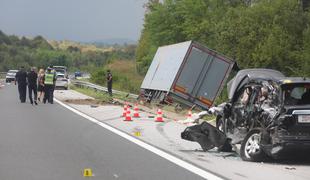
(104, 97)
(2, 75)
(99, 95)
(125, 76)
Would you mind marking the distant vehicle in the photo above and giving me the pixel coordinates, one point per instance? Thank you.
(77, 74)
(10, 76)
(61, 70)
(62, 79)
(61, 82)
(186, 74)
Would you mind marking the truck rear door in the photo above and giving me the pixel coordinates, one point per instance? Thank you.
(202, 76)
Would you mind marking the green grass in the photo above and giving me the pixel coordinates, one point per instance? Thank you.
(125, 76)
(2, 75)
(99, 95)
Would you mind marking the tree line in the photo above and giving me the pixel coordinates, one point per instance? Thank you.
(21, 51)
(256, 33)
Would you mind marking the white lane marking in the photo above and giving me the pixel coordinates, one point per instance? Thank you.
(171, 158)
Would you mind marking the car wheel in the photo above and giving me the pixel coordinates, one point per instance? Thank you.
(250, 147)
(6, 80)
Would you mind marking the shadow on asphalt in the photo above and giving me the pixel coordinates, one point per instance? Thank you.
(292, 158)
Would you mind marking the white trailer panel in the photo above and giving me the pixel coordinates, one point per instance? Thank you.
(165, 66)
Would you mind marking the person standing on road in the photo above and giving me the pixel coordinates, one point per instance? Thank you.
(32, 78)
(49, 84)
(109, 82)
(21, 79)
(54, 83)
(40, 84)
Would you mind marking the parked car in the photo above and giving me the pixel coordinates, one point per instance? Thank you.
(268, 114)
(61, 82)
(10, 76)
(61, 70)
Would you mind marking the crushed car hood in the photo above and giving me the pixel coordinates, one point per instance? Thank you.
(245, 75)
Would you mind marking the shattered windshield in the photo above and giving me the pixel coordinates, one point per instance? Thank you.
(296, 94)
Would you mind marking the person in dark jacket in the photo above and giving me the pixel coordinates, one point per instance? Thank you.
(32, 78)
(21, 79)
(109, 82)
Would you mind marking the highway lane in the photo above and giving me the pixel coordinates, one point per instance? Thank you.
(50, 142)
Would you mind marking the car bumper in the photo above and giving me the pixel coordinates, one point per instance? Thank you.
(61, 85)
(10, 79)
(287, 144)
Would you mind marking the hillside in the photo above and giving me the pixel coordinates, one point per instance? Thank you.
(64, 45)
(21, 51)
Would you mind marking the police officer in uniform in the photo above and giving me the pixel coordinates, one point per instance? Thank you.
(49, 84)
(109, 82)
(32, 78)
(21, 79)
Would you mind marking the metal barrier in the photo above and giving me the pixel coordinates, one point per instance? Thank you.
(2, 75)
(101, 88)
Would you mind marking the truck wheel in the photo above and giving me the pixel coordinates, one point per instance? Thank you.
(250, 147)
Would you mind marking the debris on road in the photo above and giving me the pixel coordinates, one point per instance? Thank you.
(290, 168)
(206, 135)
(84, 101)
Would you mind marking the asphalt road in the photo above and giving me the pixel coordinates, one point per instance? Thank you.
(49, 142)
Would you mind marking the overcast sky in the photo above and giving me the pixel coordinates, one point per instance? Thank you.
(78, 20)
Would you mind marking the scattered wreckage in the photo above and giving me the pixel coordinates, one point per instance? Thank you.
(267, 114)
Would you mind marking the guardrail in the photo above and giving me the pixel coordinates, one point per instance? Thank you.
(101, 88)
(2, 75)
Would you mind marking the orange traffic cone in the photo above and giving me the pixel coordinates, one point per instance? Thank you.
(128, 117)
(159, 117)
(189, 114)
(125, 110)
(136, 111)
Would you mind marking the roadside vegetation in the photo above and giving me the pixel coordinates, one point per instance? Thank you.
(125, 76)
(21, 51)
(257, 34)
(99, 95)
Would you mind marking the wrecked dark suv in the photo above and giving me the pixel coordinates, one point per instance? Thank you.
(267, 114)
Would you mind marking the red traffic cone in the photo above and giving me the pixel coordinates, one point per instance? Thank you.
(189, 114)
(125, 110)
(136, 111)
(159, 117)
(128, 117)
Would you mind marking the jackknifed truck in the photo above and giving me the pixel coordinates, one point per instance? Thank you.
(186, 74)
